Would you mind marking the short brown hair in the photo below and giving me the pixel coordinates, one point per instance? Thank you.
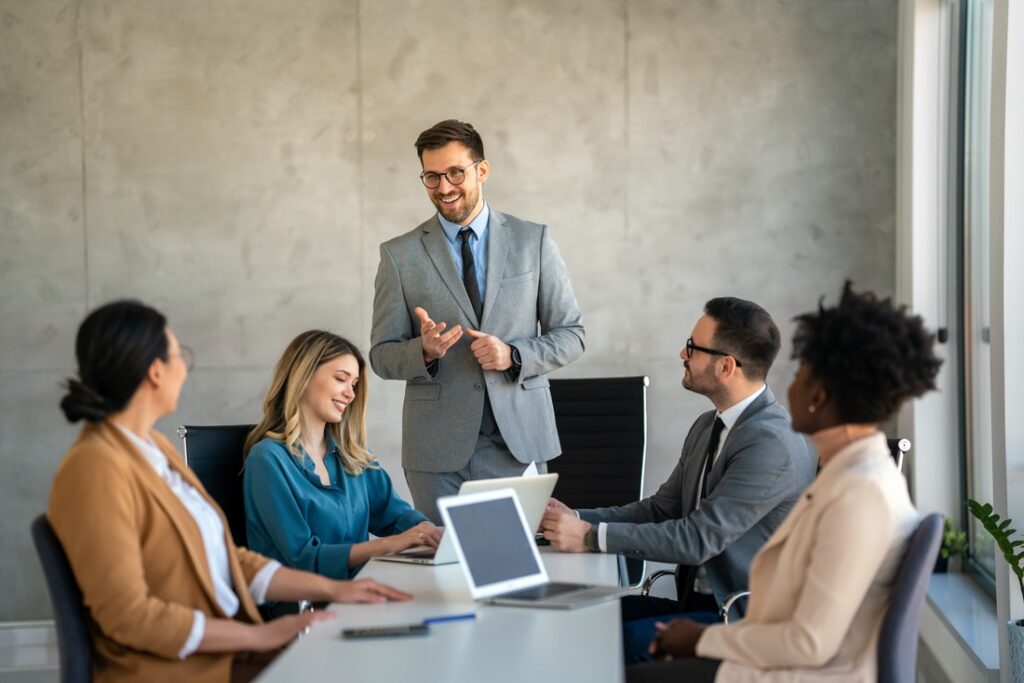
(448, 131)
(747, 332)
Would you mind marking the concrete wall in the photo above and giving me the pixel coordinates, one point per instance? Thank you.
(236, 164)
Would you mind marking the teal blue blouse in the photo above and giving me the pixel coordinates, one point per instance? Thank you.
(292, 517)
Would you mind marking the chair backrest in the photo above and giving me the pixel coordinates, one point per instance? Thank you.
(69, 613)
(897, 641)
(215, 454)
(899, 448)
(602, 424)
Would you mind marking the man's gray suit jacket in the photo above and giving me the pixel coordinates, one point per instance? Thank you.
(762, 469)
(528, 303)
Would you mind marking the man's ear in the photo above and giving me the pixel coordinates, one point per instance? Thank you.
(729, 367)
(483, 170)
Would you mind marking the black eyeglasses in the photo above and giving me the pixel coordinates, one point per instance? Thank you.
(691, 347)
(455, 176)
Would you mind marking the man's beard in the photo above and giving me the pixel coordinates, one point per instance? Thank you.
(469, 203)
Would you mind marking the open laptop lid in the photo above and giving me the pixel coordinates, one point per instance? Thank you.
(496, 549)
(533, 493)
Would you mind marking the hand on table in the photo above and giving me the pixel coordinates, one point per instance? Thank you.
(283, 630)
(366, 590)
(565, 530)
(435, 344)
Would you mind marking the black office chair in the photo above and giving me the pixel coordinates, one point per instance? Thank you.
(215, 455)
(602, 425)
(69, 613)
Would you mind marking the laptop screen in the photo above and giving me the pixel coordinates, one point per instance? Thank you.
(494, 542)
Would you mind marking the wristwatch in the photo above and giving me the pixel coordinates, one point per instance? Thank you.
(590, 540)
(517, 364)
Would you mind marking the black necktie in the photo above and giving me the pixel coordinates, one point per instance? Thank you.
(469, 275)
(487, 424)
(716, 435)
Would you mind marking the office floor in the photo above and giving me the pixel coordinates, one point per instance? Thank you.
(28, 653)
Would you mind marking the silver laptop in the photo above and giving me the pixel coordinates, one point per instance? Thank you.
(533, 492)
(500, 559)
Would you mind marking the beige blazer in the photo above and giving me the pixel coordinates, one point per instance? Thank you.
(821, 583)
(139, 559)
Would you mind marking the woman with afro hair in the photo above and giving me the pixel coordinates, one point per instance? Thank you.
(821, 583)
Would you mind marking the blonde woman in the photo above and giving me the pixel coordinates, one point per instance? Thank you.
(313, 492)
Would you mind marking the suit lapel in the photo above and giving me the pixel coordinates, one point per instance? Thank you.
(766, 399)
(175, 510)
(437, 248)
(497, 250)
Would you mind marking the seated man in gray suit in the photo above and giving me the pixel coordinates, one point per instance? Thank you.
(742, 468)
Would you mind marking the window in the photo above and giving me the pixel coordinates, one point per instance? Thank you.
(974, 283)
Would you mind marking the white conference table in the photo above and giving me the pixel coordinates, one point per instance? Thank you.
(513, 644)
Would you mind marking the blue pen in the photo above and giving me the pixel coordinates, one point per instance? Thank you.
(449, 617)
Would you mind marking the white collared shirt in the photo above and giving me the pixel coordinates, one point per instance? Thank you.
(212, 531)
(728, 417)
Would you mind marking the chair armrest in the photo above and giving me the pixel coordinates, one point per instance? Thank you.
(649, 581)
(723, 611)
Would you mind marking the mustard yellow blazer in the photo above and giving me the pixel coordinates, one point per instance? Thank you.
(139, 559)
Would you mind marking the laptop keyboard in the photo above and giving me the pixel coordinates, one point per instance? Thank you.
(546, 591)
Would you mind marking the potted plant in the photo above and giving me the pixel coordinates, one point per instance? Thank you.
(954, 544)
(1002, 533)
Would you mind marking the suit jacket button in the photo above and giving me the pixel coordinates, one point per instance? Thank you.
(478, 386)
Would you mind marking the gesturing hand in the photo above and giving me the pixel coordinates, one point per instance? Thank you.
(490, 352)
(435, 344)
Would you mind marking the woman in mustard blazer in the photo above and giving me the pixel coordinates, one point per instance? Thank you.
(169, 594)
(821, 583)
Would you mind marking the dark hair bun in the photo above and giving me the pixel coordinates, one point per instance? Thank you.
(82, 403)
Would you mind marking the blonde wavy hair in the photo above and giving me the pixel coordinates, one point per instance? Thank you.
(282, 404)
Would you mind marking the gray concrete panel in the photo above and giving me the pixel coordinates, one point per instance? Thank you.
(223, 168)
(42, 261)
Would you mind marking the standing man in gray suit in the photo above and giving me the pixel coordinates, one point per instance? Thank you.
(471, 309)
(742, 469)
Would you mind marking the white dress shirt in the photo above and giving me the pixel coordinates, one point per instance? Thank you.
(212, 531)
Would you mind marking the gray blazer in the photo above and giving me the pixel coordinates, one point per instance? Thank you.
(528, 302)
(763, 468)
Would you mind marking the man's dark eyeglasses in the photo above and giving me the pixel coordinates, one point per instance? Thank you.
(455, 176)
(691, 347)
